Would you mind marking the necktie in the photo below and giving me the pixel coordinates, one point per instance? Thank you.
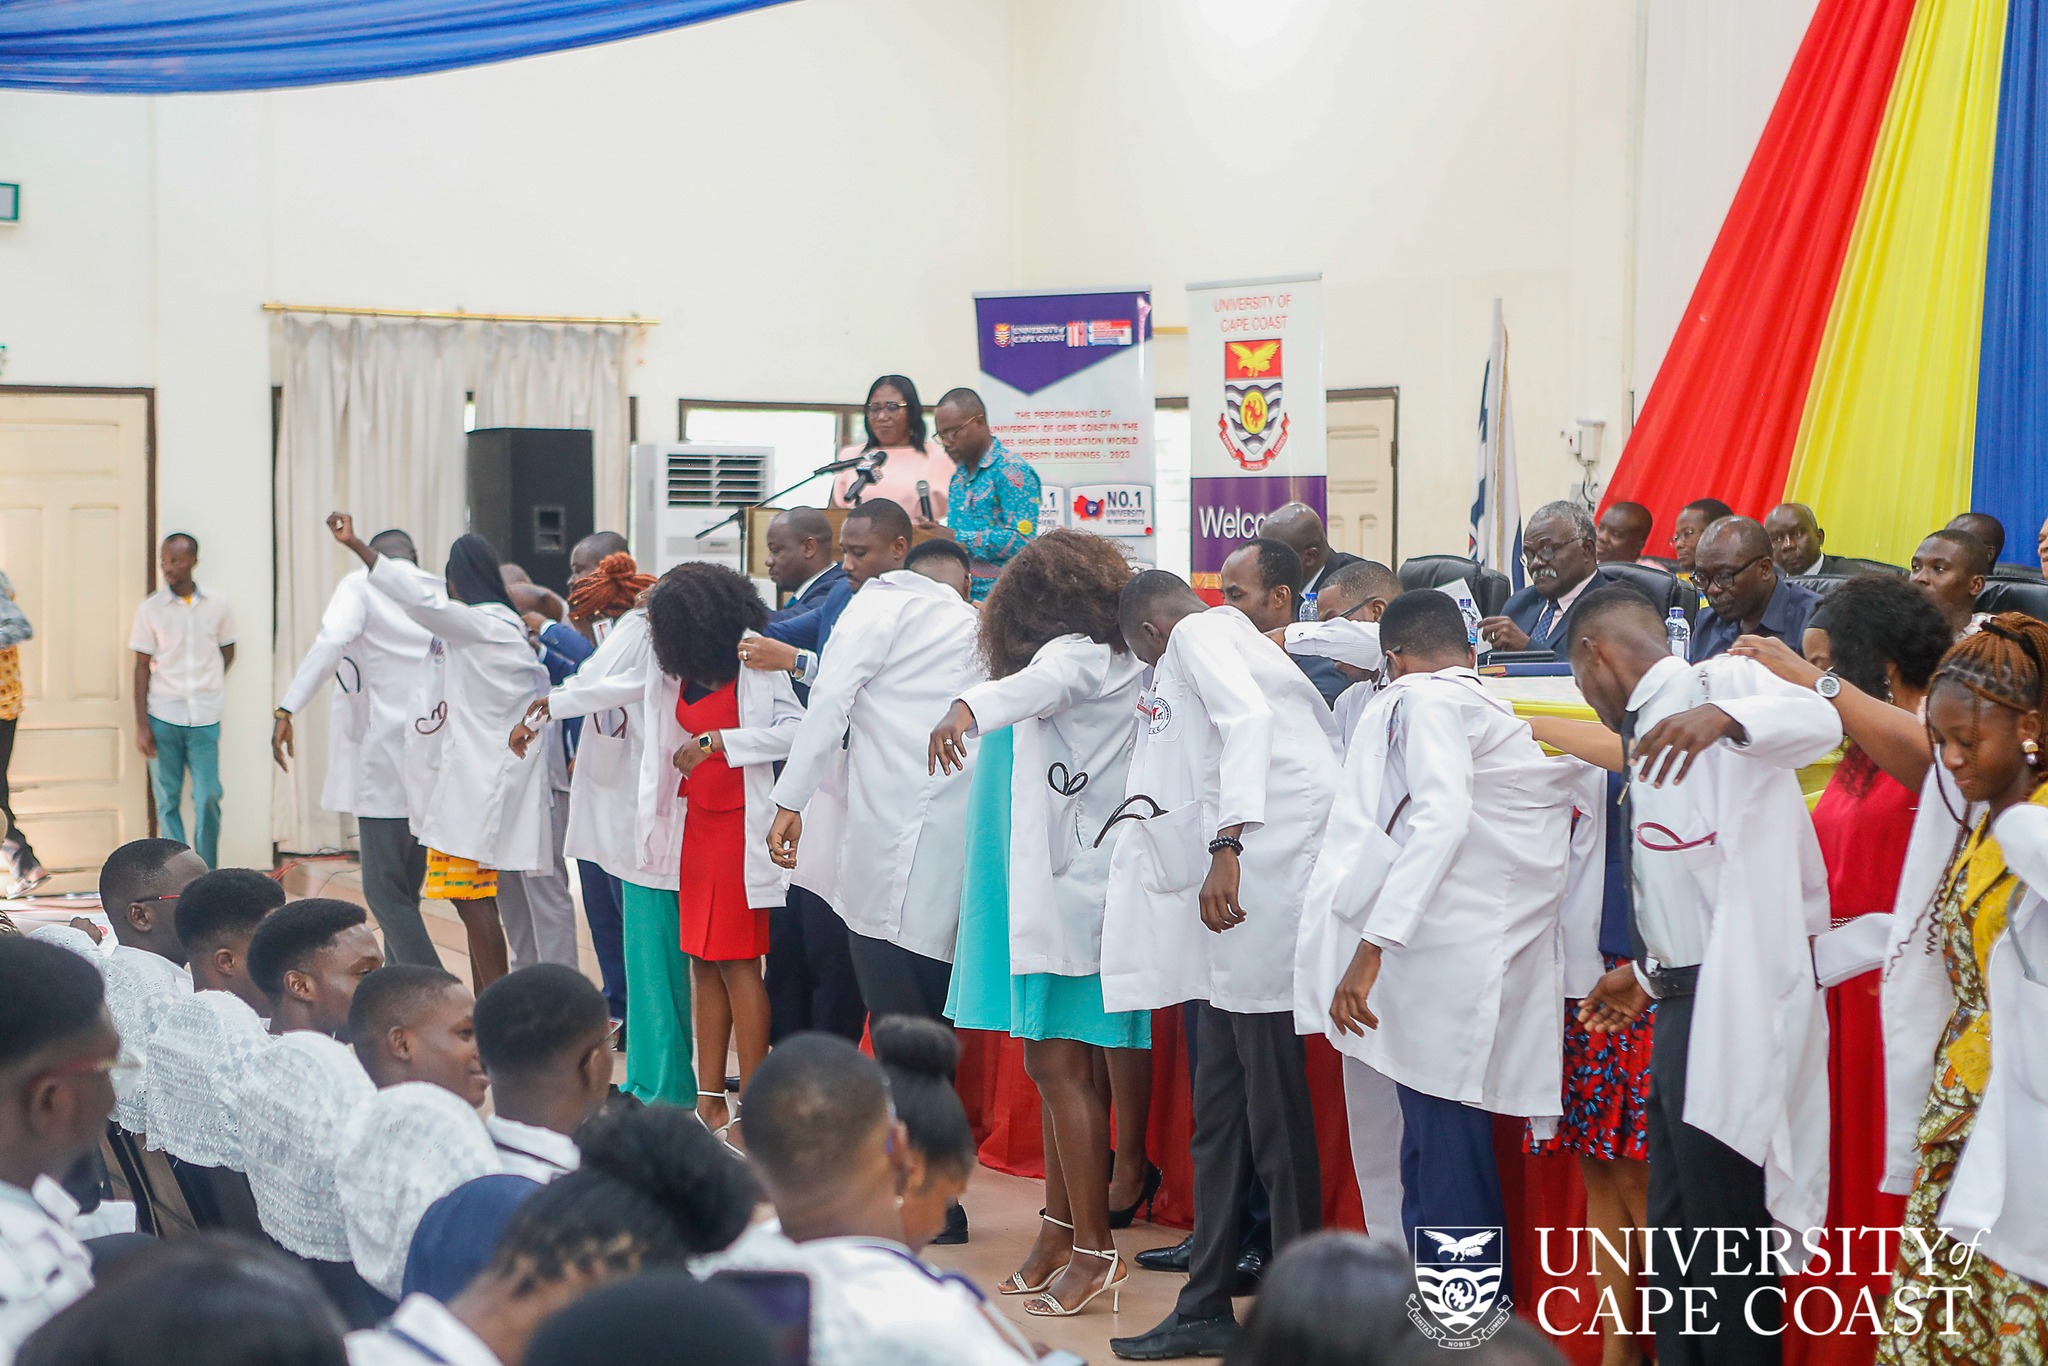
(1541, 635)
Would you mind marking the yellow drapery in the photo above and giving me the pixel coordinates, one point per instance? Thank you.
(1884, 449)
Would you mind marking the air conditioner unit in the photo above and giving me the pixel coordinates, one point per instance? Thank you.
(680, 489)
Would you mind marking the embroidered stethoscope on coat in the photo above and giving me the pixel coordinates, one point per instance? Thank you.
(438, 717)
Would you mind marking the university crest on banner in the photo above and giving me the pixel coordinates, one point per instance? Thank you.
(1457, 1302)
(1252, 426)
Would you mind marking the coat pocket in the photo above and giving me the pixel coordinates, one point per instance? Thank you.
(1173, 855)
(1063, 835)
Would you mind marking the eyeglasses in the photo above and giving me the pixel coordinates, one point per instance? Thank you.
(1543, 550)
(885, 409)
(124, 1071)
(946, 434)
(1711, 578)
(166, 896)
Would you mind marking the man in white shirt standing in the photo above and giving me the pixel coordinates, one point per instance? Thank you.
(59, 1055)
(375, 654)
(1729, 888)
(184, 641)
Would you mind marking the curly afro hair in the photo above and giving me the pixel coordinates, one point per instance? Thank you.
(697, 613)
(1878, 619)
(1063, 583)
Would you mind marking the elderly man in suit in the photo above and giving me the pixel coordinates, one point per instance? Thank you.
(1557, 548)
(1301, 527)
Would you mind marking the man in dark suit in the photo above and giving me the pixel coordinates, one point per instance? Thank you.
(800, 560)
(1795, 543)
(1299, 526)
(1558, 549)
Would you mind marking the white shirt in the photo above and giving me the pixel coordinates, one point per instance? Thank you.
(1344, 641)
(421, 1333)
(43, 1267)
(182, 637)
(1672, 905)
(141, 987)
(192, 1076)
(531, 1151)
(898, 1299)
(899, 655)
(398, 1153)
(375, 654)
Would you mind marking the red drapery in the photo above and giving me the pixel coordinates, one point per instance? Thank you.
(1724, 412)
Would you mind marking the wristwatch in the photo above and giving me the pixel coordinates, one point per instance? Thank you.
(1828, 685)
(704, 742)
(281, 714)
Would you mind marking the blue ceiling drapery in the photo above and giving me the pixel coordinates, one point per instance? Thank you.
(160, 47)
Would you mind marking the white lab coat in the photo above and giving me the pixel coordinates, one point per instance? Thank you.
(1235, 735)
(769, 716)
(1076, 705)
(1757, 1067)
(899, 655)
(1344, 641)
(604, 789)
(2000, 1189)
(1463, 897)
(374, 653)
(476, 799)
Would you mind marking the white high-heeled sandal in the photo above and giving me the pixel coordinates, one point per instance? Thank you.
(1047, 1306)
(732, 1117)
(1015, 1284)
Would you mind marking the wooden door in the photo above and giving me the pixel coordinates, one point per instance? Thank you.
(1361, 489)
(75, 539)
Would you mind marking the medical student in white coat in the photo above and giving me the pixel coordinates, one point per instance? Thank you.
(479, 808)
(905, 647)
(1216, 838)
(1729, 891)
(1966, 1013)
(1429, 946)
(1066, 689)
(375, 654)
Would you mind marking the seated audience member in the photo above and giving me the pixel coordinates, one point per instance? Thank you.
(1796, 539)
(458, 1233)
(2041, 546)
(1621, 533)
(820, 1132)
(139, 888)
(655, 1189)
(943, 561)
(413, 1023)
(1746, 595)
(1557, 548)
(1301, 527)
(307, 957)
(658, 1318)
(920, 1057)
(194, 1070)
(211, 1300)
(1333, 1299)
(1691, 523)
(59, 1056)
(410, 1144)
(544, 1035)
(1985, 528)
(1950, 568)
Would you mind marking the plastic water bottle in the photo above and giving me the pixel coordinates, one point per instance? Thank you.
(1308, 607)
(1678, 631)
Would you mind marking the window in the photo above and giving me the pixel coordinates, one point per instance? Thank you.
(804, 436)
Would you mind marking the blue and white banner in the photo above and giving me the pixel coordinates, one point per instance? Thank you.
(1495, 539)
(1067, 379)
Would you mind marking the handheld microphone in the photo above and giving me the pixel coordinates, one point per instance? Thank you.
(924, 498)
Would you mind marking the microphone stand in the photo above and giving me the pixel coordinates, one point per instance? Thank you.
(867, 476)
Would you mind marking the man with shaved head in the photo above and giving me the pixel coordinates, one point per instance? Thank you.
(1621, 533)
(1746, 595)
(1300, 526)
(1796, 538)
(800, 560)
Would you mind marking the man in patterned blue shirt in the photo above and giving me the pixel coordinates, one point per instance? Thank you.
(992, 500)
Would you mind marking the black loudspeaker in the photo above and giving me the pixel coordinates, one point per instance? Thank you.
(530, 497)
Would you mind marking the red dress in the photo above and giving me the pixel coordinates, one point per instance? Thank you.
(1863, 821)
(717, 923)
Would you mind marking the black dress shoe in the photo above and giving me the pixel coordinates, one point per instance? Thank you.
(1251, 1269)
(1173, 1258)
(955, 1231)
(1179, 1337)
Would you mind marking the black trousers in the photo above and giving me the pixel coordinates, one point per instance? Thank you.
(1699, 1182)
(895, 981)
(14, 845)
(1251, 1097)
(1251, 1192)
(394, 866)
(810, 979)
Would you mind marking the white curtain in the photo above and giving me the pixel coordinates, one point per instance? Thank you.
(372, 425)
(552, 375)
(1711, 72)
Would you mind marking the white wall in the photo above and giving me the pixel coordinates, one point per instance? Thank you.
(806, 197)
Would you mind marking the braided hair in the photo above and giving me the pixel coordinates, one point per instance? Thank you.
(609, 590)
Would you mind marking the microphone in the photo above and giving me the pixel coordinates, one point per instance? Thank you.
(924, 498)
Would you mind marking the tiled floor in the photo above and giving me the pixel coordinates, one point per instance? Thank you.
(1002, 1210)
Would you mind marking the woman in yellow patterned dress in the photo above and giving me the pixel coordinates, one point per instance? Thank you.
(1984, 714)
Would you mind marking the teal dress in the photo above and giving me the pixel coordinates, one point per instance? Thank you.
(984, 995)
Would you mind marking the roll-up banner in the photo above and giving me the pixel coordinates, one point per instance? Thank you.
(1067, 380)
(1255, 411)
